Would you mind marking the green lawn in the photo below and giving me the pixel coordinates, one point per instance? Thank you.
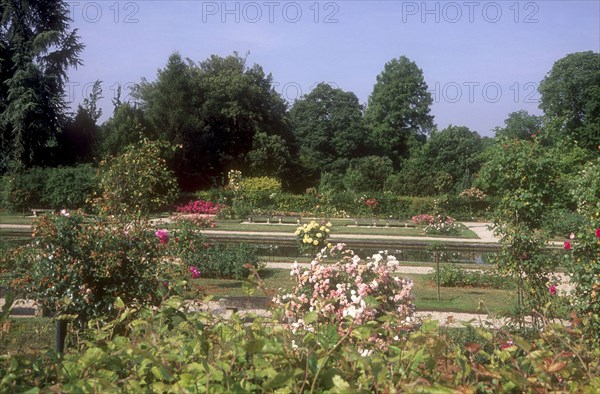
(6, 218)
(454, 299)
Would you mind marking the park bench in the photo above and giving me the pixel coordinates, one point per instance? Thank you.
(35, 211)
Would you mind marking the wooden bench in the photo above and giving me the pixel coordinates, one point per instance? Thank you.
(35, 211)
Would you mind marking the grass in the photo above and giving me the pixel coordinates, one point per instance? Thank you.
(6, 218)
(26, 334)
(453, 299)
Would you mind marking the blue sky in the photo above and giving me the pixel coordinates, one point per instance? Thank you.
(480, 59)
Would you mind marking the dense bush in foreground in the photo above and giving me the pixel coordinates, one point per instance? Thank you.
(172, 349)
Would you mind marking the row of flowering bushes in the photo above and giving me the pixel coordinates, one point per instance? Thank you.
(344, 204)
(200, 207)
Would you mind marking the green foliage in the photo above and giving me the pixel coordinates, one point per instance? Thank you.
(55, 188)
(127, 126)
(398, 109)
(269, 156)
(82, 265)
(36, 50)
(231, 261)
(172, 349)
(570, 98)
(456, 150)
(213, 109)
(583, 261)
(368, 174)
(262, 184)
(523, 174)
(138, 181)
(520, 125)
(562, 222)
(451, 275)
(328, 126)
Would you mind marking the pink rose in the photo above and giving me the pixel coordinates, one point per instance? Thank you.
(552, 290)
(567, 245)
(598, 233)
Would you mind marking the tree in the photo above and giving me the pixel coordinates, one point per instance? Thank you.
(138, 181)
(521, 125)
(79, 139)
(213, 109)
(269, 156)
(523, 174)
(328, 127)
(36, 50)
(570, 98)
(398, 109)
(456, 150)
(368, 174)
(126, 127)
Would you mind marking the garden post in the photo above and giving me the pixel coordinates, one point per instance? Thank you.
(61, 334)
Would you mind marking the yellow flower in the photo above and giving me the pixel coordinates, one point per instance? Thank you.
(316, 243)
(319, 235)
(309, 240)
(322, 228)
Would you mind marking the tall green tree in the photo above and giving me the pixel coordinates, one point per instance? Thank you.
(329, 129)
(36, 50)
(398, 109)
(127, 126)
(521, 125)
(78, 142)
(213, 109)
(570, 98)
(456, 150)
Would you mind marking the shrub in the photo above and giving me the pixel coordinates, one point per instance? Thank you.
(138, 181)
(263, 184)
(56, 188)
(443, 225)
(190, 249)
(562, 222)
(347, 294)
(81, 265)
(422, 219)
(313, 236)
(583, 256)
(173, 348)
(70, 187)
(200, 221)
(200, 207)
(452, 275)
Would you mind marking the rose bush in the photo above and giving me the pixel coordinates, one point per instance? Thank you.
(79, 265)
(348, 294)
(313, 236)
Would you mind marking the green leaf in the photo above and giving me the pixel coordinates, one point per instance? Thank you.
(328, 336)
(119, 304)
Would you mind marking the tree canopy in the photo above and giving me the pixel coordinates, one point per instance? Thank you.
(36, 50)
(213, 109)
(398, 109)
(521, 125)
(570, 98)
(328, 127)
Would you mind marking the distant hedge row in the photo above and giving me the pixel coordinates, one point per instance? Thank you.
(55, 188)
